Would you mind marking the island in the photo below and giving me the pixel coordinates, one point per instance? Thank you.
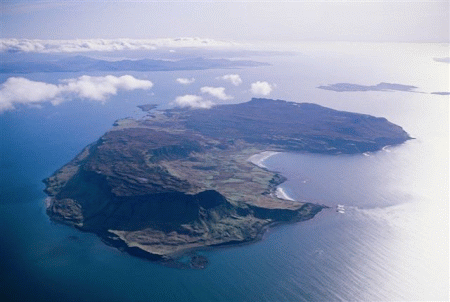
(443, 60)
(182, 180)
(441, 93)
(341, 87)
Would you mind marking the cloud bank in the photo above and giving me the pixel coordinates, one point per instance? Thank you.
(218, 92)
(83, 45)
(234, 79)
(185, 81)
(23, 91)
(261, 88)
(193, 101)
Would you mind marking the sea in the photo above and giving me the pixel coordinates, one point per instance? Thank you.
(384, 237)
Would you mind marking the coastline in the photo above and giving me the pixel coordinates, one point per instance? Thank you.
(259, 158)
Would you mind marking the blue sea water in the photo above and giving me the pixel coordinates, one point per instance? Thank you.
(391, 242)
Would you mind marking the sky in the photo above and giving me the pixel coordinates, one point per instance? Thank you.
(359, 21)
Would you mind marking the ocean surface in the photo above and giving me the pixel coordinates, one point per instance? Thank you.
(388, 241)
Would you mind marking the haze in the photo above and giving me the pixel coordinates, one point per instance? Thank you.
(374, 21)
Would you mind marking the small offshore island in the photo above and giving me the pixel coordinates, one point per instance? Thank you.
(180, 180)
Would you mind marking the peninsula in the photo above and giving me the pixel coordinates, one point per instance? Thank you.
(180, 180)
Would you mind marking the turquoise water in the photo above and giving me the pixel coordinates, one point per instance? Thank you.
(391, 243)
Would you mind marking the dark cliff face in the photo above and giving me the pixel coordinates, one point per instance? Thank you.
(88, 199)
(121, 186)
(181, 179)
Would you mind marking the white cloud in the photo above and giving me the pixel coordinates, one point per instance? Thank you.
(193, 101)
(185, 81)
(218, 92)
(24, 91)
(234, 79)
(21, 90)
(83, 45)
(261, 88)
(99, 88)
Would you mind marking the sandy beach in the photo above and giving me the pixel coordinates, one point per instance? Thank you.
(258, 159)
(281, 194)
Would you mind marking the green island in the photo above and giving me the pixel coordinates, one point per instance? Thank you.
(181, 180)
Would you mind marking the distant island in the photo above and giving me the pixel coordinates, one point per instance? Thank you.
(441, 93)
(340, 87)
(87, 64)
(180, 180)
(443, 60)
